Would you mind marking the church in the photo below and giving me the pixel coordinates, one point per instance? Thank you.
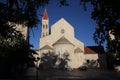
(60, 40)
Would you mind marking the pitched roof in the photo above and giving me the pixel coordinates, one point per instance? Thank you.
(93, 50)
(46, 47)
(62, 22)
(45, 15)
(63, 40)
(89, 51)
(78, 50)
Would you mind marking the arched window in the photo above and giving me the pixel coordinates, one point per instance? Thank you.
(46, 26)
(43, 26)
(43, 34)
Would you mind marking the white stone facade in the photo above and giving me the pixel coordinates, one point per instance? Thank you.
(60, 40)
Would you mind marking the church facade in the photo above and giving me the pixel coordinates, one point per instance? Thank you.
(60, 40)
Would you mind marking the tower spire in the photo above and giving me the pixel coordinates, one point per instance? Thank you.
(45, 24)
(45, 15)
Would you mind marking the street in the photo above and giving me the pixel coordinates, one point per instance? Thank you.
(90, 74)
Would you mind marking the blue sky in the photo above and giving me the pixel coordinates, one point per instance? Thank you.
(81, 20)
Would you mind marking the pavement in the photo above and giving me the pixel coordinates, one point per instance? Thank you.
(90, 74)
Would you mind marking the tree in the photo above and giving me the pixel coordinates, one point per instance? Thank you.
(50, 61)
(20, 12)
(14, 49)
(106, 13)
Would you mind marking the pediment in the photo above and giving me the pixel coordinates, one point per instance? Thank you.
(62, 22)
(78, 50)
(46, 47)
(63, 40)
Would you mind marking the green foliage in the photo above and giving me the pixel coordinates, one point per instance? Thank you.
(48, 60)
(14, 49)
(106, 13)
(21, 11)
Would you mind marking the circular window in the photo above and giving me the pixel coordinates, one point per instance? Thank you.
(62, 31)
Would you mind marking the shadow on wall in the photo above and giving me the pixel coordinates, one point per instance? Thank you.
(92, 63)
(99, 63)
(51, 61)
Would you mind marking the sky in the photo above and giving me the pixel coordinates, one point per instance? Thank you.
(84, 26)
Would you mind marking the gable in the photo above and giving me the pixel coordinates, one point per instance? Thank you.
(77, 50)
(62, 22)
(63, 40)
(59, 26)
(46, 47)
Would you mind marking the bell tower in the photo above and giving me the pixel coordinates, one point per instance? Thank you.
(45, 24)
